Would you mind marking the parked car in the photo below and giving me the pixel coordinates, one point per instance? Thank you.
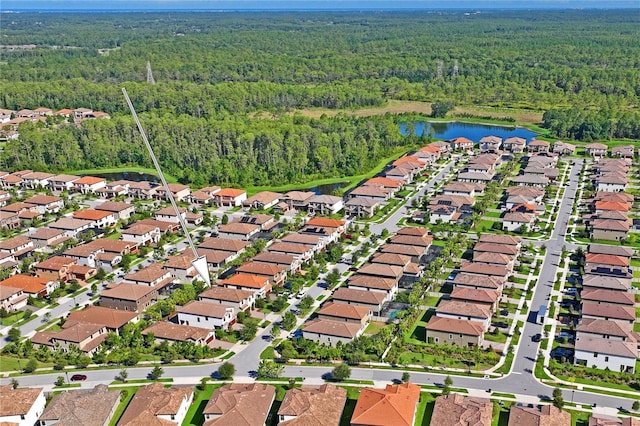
(78, 377)
(536, 337)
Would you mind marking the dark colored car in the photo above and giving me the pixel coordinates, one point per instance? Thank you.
(536, 337)
(78, 377)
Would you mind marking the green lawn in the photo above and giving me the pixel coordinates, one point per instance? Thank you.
(10, 363)
(194, 415)
(425, 409)
(268, 353)
(128, 392)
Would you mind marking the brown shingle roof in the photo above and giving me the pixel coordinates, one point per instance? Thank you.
(402, 249)
(213, 310)
(332, 328)
(451, 325)
(500, 239)
(463, 308)
(126, 291)
(176, 332)
(475, 295)
(240, 404)
(608, 296)
(344, 310)
(224, 244)
(111, 318)
(459, 410)
(604, 327)
(381, 270)
(91, 407)
(372, 282)
(547, 415)
(14, 402)
(359, 296)
(226, 294)
(153, 400)
(313, 406)
(618, 312)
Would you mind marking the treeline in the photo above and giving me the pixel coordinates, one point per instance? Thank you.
(592, 125)
(233, 151)
(518, 59)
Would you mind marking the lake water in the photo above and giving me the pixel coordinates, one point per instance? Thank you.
(133, 176)
(471, 131)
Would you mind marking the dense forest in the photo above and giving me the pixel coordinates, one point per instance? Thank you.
(217, 72)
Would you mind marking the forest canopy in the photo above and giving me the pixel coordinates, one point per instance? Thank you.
(217, 73)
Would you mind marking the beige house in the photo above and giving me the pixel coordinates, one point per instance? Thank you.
(81, 407)
(155, 404)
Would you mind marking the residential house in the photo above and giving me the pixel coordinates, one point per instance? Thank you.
(596, 149)
(606, 354)
(456, 410)
(89, 184)
(452, 331)
(530, 179)
(263, 200)
(206, 315)
(12, 299)
(31, 286)
(46, 203)
(563, 148)
(277, 274)
(266, 222)
(114, 189)
(81, 407)
(387, 286)
(606, 282)
(9, 220)
(171, 332)
(393, 185)
(611, 182)
(376, 193)
(141, 234)
(490, 144)
(520, 415)
(238, 231)
(239, 404)
(112, 319)
(85, 336)
(98, 218)
(624, 151)
(72, 227)
(164, 227)
(464, 310)
(301, 252)
(129, 297)
(517, 222)
(465, 189)
(329, 332)
(478, 296)
(395, 405)
(224, 244)
(180, 192)
(35, 180)
(260, 285)
(240, 300)
(60, 183)
(336, 311)
(325, 204)
(462, 144)
(361, 207)
(143, 189)
(610, 230)
(168, 214)
(121, 211)
(479, 281)
(181, 267)
(229, 197)
(19, 247)
(477, 177)
(297, 199)
(153, 275)
(604, 329)
(312, 405)
(287, 260)
(538, 146)
(55, 268)
(608, 312)
(22, 406)
(155, 404)
(372, 300)
(5, 197)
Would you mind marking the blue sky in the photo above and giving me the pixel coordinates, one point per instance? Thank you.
(36, 5)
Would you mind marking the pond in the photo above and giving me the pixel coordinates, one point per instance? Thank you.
(327, 188)
(472, 131)
(133, 176)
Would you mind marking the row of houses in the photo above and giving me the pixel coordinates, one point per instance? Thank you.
(605, 338)
(250, 404)
(599, 150)
(608, 218)
(231, 404)
(10, 120)
(464, 317)
(366, 292)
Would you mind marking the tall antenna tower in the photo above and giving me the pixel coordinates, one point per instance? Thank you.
(150, 78)
(439, 70)
(199, 262)
(455, 69)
